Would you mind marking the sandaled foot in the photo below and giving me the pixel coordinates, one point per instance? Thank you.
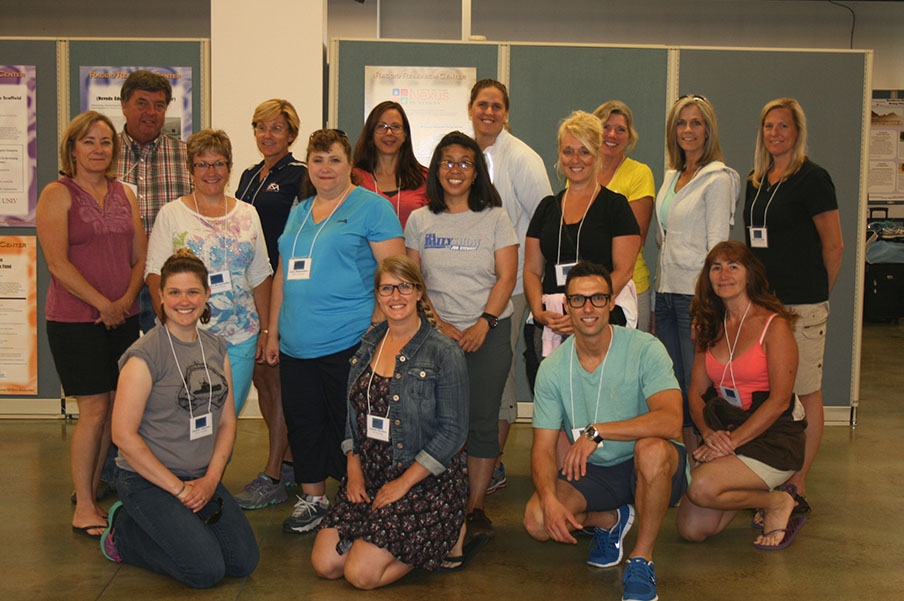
(780, 538)
(453, 563)
(94, 531)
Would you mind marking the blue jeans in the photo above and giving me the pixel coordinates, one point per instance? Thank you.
(146, 315)
(153, 530)
(673, 328)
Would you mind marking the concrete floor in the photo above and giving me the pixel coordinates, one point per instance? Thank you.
(850, 548)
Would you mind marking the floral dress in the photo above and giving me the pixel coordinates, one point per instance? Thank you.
(420, 528)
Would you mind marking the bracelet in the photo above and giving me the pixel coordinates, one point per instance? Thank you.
(265, 331)
(181, 490)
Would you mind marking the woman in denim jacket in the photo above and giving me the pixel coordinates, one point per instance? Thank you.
(402, 504)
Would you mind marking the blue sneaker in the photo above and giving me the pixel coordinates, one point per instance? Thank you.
(639, 580)
(606, 549)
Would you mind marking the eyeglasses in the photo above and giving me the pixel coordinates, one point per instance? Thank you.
(382, 128)
(213, 519)
(598, 300)
(449, 165)
(273, 129)
(696, 97)
(405, 289)
(204, 166)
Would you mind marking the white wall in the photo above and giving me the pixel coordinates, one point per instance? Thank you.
(747, 23)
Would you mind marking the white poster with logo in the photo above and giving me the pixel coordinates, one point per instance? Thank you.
(100, 86)
(18, 146)
(435, 100)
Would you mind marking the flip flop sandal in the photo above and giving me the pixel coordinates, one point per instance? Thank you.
(85, 531)
(454, 563)
(795, 523)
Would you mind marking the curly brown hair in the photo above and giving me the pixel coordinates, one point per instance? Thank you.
(707, 308)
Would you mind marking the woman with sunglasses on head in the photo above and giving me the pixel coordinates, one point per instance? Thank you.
(226, 234)
(695, 211)
(583, 222)
(794, 228)
(272, 187)
(174, 423)
(385, 163)
(466, 247)
(403, 503)
(322, 303)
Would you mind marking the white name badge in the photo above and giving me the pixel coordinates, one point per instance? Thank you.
(132, 187)
(299, 269)
(219, 282)
(759, 238)
(578, 433)
(731, 395)
(377, 427)
(562, 270)
(200, 426)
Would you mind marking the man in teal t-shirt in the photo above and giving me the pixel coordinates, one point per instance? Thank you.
(613, 391)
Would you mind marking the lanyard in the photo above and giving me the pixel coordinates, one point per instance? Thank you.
(373, 370)
(398, 198)
(732, 347)
(766, 211)
(599, 387)
(181, 375)
(322, 225)
(225, 228)
(577, 250)
(251, 181)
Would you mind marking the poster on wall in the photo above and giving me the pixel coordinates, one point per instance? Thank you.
(18, 315)
(886, 151)
(18, 146)
(100, 88)
(435, 100)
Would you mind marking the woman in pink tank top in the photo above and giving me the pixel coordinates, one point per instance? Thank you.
(742, 403)
(90, 231)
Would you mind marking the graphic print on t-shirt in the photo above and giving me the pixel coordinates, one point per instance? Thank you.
(202, 390)
(460, 243)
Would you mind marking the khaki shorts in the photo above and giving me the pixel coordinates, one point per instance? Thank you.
(810, 334)
(768, 474)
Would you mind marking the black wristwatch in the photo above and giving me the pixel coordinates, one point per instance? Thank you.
(491, 319)
(591, 433)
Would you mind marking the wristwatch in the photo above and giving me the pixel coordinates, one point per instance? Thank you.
(491, 319)
(591, 433)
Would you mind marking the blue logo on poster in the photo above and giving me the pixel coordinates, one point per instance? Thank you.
(396, 92)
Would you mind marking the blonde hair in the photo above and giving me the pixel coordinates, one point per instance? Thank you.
(617, 107)
(712, 150)
(762, 160)
(78, 129)
(271, 109)
(586, 128)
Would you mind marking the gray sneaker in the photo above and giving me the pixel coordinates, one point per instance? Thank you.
(306, 515)
(287, 474)
(260, 492)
